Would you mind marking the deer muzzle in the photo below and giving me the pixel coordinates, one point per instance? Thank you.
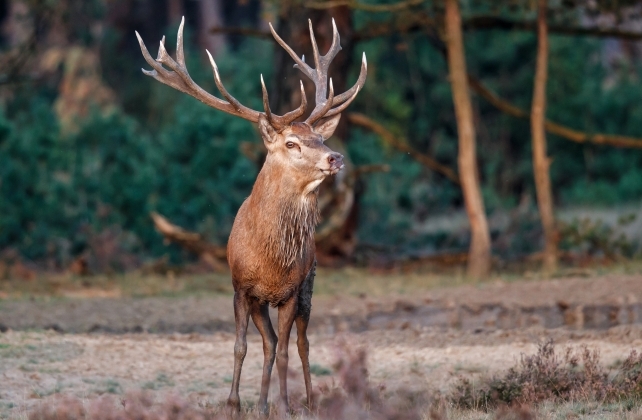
(335, 162)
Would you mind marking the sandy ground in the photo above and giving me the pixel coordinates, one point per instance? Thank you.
(37, 366)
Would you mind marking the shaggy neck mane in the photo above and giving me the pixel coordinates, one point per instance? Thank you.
(287, 218)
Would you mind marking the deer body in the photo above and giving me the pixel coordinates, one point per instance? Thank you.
(271, 246)
(271, 250)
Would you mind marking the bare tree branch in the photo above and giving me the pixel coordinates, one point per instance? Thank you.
(396, 7)
(493, 22)
(369, 169)
(552, 127)
(417, 22)
(255, 33)
(402, 145)
(423, 22)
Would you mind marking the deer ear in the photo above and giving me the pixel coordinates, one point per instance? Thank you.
(268, 133)
(326, 126)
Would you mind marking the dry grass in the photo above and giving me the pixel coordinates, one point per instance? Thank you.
(354, 398)
(543, 385)
(344, 281)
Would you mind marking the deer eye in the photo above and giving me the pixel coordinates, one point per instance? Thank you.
(289, 144)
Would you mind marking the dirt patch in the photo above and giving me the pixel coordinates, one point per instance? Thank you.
(578, 303)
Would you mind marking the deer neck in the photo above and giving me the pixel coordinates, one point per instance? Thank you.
(286, 213)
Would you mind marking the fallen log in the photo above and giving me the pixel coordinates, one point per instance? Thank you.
(213, 255)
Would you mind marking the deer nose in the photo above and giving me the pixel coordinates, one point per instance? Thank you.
(335, 159)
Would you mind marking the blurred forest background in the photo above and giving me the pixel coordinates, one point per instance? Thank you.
(90, 147)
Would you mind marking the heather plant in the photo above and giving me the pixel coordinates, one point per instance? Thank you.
(547, 376)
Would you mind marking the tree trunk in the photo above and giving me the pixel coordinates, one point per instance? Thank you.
(541, 162)
(479, 256)
(175, 11)
(210, 17)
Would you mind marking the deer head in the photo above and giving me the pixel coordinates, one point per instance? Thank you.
(297, 147)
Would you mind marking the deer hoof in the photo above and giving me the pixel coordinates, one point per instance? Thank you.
(234, 408)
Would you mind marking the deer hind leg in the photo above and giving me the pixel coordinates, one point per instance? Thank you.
(261, 317)
(302, 319)
(241, 316)
(287, 312)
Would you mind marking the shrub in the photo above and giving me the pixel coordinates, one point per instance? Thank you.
(545, 376)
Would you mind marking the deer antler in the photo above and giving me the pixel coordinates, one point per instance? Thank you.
(179, 79)
(319, 76)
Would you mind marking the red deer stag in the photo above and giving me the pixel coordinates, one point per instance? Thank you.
(271, 249)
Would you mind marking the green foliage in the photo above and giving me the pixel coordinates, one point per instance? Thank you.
(163, 151)
(58, 191)
(597, 238)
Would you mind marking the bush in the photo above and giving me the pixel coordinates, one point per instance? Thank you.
(59, 193)
(546, 376)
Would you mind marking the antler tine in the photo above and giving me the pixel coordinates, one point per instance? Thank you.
(340, 108)
(148, 57)
(162, 44)
(280, 122)
(179, 69)
(178, 78)
(320, 110)
(319, 75)
(350, 93)
(180, 53)
(293, 115)
(322, 63)
(334, 48)
(300, 64)
(315, 49)
(266, 102)
(219, 84)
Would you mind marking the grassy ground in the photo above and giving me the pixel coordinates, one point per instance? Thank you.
(405, 373)
(40, 367)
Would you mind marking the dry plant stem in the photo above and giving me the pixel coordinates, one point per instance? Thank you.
(402, 145)
(479, 260)
(541, 162)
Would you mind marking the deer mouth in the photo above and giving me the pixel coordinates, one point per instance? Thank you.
(333, 170)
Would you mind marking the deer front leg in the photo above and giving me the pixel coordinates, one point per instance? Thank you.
(304, 353)
(304, 307)
(261, 318)
(287, 312)
(241, 316)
